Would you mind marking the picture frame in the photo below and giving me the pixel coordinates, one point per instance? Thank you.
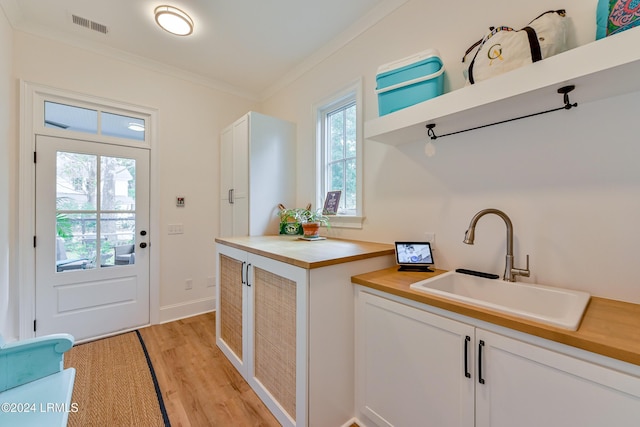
(331, 202)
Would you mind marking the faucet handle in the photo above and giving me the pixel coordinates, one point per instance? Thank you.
(521, 272)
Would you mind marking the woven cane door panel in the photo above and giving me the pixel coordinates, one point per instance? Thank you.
(231, 303)
(275, 337)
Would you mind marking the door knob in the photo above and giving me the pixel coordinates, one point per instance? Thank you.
(143, 245)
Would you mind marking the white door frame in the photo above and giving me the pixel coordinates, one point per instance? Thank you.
(32, 123)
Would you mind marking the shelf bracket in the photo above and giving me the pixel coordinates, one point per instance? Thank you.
(564, 90)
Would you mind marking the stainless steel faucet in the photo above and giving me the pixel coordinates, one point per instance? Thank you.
(510, 272)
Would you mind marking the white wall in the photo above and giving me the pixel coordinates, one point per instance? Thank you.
(8, 316)
(191, 117)
(569, 180)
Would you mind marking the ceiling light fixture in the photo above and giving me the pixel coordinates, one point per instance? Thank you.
(174, 20)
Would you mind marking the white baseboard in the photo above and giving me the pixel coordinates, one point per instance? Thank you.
(169, 313)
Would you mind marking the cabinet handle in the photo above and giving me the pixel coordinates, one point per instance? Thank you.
(243, 280)
(467, 339)
(480, 347)
(248, 283)
(230, 196)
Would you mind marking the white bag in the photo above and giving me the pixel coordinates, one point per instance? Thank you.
(504, 49)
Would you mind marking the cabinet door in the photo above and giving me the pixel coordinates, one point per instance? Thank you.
(234, 179)
(278, 338)
(410, 366)
(241, 157)
(231, 322)
(529, 386)
(226, 182)
(241, 177)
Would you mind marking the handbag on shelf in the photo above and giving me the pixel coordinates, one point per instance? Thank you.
(504, 49)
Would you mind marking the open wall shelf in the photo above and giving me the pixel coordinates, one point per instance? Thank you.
(599, 70)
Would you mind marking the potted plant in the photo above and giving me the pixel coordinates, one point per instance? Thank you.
(290, 221)
(311, 221)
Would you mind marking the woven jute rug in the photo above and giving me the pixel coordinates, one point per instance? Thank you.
(115, 384)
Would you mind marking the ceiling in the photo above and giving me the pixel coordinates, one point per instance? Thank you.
(249, 47)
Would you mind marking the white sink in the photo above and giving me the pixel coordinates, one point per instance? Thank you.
(558, 307)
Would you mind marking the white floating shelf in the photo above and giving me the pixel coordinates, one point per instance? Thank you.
(601, 69)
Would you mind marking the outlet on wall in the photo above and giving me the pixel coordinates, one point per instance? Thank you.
(188, 284)
(210, 282)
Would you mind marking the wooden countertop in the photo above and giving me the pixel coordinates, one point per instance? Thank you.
(610, 328)
(308, 254)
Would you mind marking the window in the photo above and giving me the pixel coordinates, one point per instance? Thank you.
(80, 119)
(340, 154)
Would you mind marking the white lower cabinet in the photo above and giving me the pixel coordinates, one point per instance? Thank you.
(530, 386)
(260, 327)
(410, 366)
(289, 331)
(417, 368)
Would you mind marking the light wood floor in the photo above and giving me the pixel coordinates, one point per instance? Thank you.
(199, 385)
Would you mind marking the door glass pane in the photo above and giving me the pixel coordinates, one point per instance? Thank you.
(119, 238)
(75, 241)
(76, 186)
(118, 183)
(82, 197)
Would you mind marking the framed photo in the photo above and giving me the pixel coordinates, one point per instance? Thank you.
(332, 202)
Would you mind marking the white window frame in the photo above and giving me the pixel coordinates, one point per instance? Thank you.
(352, 92)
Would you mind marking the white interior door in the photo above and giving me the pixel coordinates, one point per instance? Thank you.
(92, 240)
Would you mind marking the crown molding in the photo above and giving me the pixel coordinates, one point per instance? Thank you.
(363, 24)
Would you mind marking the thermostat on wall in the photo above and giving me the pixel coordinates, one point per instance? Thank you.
(180, 202)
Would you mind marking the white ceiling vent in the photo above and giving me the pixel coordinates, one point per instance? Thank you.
(87, 23)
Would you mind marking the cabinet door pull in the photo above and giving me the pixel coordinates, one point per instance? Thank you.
(467, 339)
(242, 273)
(480, 347)
(248, 283)
(230, 195)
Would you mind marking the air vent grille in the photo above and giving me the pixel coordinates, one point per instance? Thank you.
(87, 23)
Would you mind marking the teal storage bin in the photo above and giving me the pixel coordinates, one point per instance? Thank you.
(409, 81)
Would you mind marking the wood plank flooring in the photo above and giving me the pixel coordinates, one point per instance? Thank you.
(199, 385)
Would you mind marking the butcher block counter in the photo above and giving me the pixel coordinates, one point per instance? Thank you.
(308, 254)
(610, 328)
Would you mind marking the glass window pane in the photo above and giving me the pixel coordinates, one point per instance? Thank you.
(336, 176)
(350, 131)
(76, 181)
(118, 183)
(336, 136)
(122, 126)
(339, 151)
(348, 200)
(68, 117)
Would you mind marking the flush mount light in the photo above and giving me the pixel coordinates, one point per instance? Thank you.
(174, 20)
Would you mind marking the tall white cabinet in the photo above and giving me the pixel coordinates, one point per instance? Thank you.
(257, 172)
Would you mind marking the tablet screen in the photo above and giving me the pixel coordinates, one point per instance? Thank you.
(414, 253)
